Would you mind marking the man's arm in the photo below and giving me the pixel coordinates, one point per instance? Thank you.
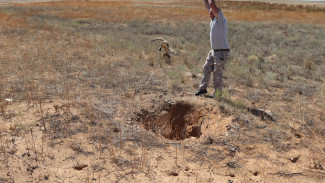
(214, 8)
(206, 3)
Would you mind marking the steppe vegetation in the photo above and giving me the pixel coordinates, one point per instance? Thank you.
(93, 101)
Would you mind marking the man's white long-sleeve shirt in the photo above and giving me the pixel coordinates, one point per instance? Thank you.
(218, 32)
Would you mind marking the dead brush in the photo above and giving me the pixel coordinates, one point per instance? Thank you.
(30, 94)
(66, 107)
(33, 143)
(7, 148)
(112, 146)
(9, 167)
(42, 113)
(3, 106)
(145, 158)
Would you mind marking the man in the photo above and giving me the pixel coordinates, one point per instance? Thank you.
(219, 53)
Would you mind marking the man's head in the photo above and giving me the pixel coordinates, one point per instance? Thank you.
(211, 14)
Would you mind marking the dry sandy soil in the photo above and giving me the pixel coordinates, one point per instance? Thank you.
(70, 146)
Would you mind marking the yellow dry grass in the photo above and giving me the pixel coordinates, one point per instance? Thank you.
(10, 21)
(277, 16)
(178, 10)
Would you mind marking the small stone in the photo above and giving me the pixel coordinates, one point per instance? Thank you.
(231, 164)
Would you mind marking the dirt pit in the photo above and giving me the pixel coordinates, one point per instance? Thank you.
(173, 120)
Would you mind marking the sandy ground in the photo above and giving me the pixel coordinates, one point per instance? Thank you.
(320, 3)
(50, 153)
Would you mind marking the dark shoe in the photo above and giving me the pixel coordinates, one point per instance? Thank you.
(200, 92)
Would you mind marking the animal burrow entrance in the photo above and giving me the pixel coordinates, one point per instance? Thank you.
(173, 120)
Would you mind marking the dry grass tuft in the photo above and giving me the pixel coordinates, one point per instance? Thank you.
(11, 21)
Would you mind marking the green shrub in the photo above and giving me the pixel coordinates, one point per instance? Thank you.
(271, 75)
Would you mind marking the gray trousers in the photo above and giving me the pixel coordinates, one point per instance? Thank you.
(215, 63)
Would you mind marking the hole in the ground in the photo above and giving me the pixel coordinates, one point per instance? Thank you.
(175, 121)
